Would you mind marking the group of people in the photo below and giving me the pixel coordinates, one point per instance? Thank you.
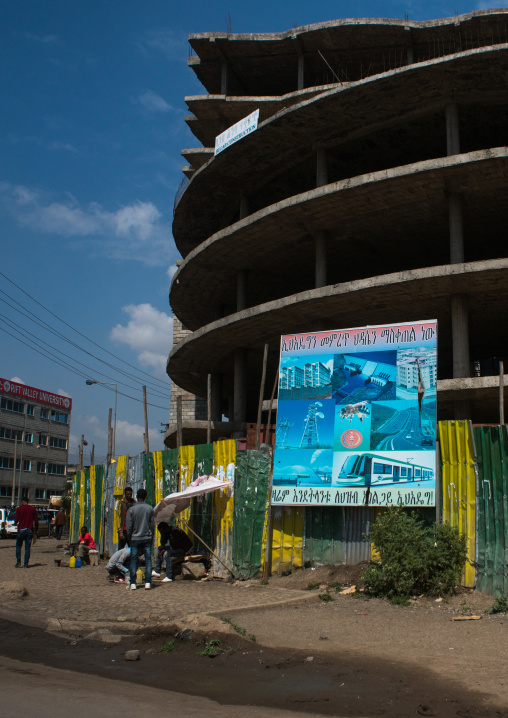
(136, 528)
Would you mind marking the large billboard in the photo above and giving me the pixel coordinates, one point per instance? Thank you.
(356, 417)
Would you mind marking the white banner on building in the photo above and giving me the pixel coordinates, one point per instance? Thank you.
(236, 132)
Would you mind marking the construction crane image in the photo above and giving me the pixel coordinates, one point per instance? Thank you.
(310, 437)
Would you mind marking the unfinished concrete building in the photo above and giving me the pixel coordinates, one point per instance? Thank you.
(373, 191)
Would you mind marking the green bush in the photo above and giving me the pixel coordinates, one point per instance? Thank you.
(414, 559)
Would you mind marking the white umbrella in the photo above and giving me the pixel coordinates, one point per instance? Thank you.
(179, 501)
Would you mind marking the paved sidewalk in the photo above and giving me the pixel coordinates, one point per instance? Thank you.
(85, 594)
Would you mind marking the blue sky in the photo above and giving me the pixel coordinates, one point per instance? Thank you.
(91, 132)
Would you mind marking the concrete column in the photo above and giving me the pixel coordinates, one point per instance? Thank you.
(456, 229)
(244, 207)
(321, 263)
(216, 403)
(301, 72)
(321, 167)
(241, 290)
(224, 79)
(460, 345)
(452, 129)
(460, 336)
(410, 57)
(240, 386)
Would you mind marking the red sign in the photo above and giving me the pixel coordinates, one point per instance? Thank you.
(22, 391)
(351, 439)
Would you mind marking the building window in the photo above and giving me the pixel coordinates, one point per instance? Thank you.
(44, 413)
(6, 491)
(39, 494)
(29, 438)
(56, 469)
(41, 467)
(57, 443)
(58, 416)
(10, 434)
(43, 440)
(27, 465)
(10, 405)
(29, 409)
(7, 462)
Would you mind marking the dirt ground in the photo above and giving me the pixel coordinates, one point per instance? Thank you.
(350, 656)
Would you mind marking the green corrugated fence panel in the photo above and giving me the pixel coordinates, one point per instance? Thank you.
(149, 478)
(492, 528)
(170, 464)
(74, 527)
(87, 516)
(201, 507)
(251, 491)
(323, 535)
(99, 483)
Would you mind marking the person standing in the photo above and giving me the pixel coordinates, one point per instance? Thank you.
(140, 527)
(28, 523)
(59, 523)
(124, 506)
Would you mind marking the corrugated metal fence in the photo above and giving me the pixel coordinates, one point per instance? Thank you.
(472, 488)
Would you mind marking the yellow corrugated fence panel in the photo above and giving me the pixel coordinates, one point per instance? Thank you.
(121, 472)
(92, 504)
(287, 538)
(458, 473)
(159, 476)
(81, 498)
(224, 456)
(186, 462)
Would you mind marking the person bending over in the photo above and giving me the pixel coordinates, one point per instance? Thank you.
(117, 565)
(174, 542)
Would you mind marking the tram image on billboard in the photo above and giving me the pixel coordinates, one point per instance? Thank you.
(364, 470)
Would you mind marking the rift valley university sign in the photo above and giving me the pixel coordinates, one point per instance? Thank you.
(29, 393)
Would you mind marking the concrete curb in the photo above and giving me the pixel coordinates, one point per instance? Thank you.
(62, 625)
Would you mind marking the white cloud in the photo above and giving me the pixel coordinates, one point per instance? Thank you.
(61, 392)
(316, 455)
(171, 271)
(148, 332)
(17, 380)
(135, 231)
(152, 102)
(130, 441)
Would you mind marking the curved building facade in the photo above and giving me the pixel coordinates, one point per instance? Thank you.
(373, 191)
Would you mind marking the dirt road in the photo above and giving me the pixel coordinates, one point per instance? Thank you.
(346, 657)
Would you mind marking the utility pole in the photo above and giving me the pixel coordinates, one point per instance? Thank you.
(14, 467)
(92, 457)
(147, 443)
(81, 452)
(110, 438)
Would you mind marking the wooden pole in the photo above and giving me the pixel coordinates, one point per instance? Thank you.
(501, 393)
(178, 421)
(92, 457)
(14, 468)
(269, 425)
(81, 449)
(261, 394)
(209, 410)
(208, 548)
(267, 568)
(110, 437)
(147, 443)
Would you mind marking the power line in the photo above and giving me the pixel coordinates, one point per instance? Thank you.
(41, 323)
(164, 383)
(65, 365)
(25, 332)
